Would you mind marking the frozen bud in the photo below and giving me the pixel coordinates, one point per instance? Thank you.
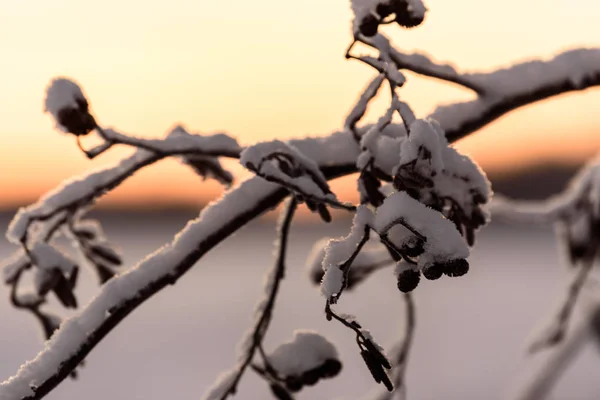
(67, 104)
(368, 26)
(457, 267)
(302, 360)
(408, 280)
(433, 272)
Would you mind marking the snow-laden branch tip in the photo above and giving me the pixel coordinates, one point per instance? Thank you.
(68, 106)
(519, 85)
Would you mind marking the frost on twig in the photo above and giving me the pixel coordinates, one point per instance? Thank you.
(284, 164)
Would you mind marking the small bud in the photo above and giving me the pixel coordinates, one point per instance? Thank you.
(69, 107)
(408, 280)
(456, 268)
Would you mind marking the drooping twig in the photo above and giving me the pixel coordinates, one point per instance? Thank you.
(399, 355)
(557, 331)
(264, 311)
(541, 382)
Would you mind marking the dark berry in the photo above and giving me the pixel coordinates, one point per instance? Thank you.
(293, 384)
(408, 280)
(311, 377)
(331, 368)
(433, 272)
(368, 26)
(457, 267)
(384, 9)
(77, 121)
(405, 17)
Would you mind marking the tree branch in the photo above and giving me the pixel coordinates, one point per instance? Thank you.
(336, 155)
(422, 64)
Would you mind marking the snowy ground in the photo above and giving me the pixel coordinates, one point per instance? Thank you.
(469, 346)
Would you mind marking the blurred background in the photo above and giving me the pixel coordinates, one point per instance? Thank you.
(268, 69)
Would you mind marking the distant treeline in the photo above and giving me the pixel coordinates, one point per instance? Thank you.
(533, 182)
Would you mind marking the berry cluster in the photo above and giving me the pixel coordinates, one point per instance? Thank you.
(404, 15)
(408, 279)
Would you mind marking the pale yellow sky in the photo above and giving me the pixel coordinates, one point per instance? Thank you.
(259, 69)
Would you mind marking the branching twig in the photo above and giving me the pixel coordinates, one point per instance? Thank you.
(264, 309)
(556, 332)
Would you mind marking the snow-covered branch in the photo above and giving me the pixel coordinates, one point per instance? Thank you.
(507, 89)
(425, 221)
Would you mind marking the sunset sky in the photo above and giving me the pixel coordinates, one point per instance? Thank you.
(261, 69)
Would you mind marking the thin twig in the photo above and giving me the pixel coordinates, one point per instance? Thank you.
(541, 383)
(558, 329)
(274, 278)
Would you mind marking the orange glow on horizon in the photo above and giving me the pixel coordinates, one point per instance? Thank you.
(258, 70)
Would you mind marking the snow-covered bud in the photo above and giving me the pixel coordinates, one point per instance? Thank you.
(304, 360)
(67, 104)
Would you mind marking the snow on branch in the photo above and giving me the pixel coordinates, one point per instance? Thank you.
(282, 163)
(179, 141)
(525, 83)
(330, 157)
